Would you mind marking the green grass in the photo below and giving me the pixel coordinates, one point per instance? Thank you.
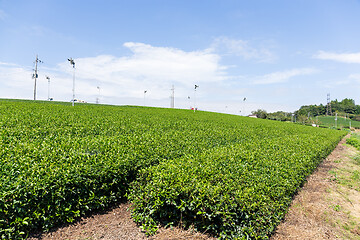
(354, 140)
(350, 176)
(329, 121)
(232, 175)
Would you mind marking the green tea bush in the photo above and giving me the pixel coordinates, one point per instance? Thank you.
(238, 191)
(354, 140)
(58, 163)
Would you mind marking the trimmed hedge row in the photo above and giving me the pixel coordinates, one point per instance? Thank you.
(239, 191)
(58, 163)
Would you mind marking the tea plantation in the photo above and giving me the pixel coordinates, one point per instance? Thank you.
(329, 121)
(231, 176)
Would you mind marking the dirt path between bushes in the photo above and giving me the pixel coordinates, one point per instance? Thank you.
(327, 207)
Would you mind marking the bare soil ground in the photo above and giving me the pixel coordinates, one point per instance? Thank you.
(114, 224)
(327, 207)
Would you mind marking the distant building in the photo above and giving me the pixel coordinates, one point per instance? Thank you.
(252, 116)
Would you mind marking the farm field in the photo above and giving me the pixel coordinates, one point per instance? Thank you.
(228, 175)
(329, 121)
(324, 208)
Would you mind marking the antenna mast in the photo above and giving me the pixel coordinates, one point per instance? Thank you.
(328, 105)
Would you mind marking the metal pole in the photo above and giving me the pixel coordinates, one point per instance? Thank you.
(243, 105)
(72, 62)
(195, 98)
(144, 96)
(98, 98)
(35, 76)
(73, 86)
(196, 86)
(172, 104)
(48, 78)
(336, 120)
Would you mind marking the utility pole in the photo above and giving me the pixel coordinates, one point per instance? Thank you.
(48, 78)
(144, 96)
(35, 75)
(98, 98)
(172, 104)
(72, 62)
(196, 86)
(243, 104)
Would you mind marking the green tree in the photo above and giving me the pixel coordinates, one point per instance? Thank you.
(260, 113)
(348, 105)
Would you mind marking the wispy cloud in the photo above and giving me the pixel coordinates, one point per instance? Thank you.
(283, 76)
(242, 48)
(15, 81)
(8, 64)
(339, 57)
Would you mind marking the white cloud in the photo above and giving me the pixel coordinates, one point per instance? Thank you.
(283, 76)
(149, 67)
(242, 48)
(339, 57)
(8, 64)
(15, 82)
(122, 80)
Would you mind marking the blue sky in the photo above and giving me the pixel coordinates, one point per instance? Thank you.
(278, 55)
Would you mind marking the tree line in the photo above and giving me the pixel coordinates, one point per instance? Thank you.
(346, 107)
